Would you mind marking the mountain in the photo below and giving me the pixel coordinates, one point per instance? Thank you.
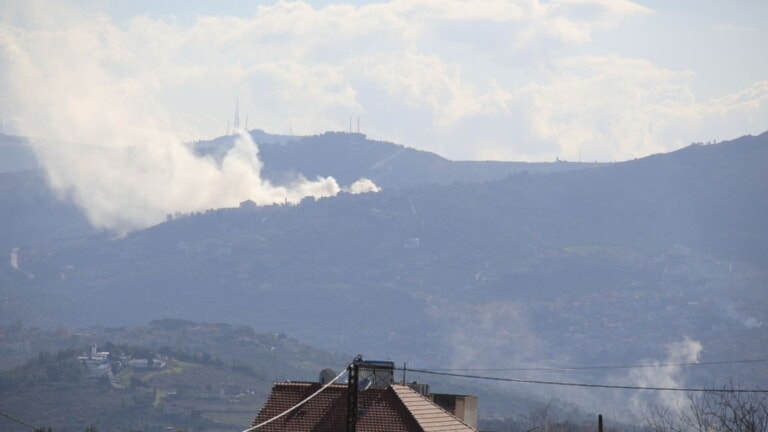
(15, 154)
(30, 211)
(349, 156)
(611, 264)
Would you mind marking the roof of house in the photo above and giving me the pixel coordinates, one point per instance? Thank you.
(396, 408)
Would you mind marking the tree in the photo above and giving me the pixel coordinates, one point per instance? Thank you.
(725, 410)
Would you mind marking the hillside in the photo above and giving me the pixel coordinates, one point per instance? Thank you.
(214, 377)
(31, 212)
(15, 154)
(606, 265)
(211, 377)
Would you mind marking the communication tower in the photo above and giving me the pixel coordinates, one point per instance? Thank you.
(236, 124)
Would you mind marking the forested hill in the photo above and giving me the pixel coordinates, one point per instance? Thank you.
(675, 243)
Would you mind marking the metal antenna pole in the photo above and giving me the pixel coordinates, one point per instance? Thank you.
(352, 383)
(236, 124)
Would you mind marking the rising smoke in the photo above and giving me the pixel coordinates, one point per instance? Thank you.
(135, 186)
(667, 374)
(109, 145)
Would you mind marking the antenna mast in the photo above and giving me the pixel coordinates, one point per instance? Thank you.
(236, 124)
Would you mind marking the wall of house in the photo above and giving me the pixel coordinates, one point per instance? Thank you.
(464, 407)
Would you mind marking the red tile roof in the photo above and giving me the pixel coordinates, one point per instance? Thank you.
(393, 409)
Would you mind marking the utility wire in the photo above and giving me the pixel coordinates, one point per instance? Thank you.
(571, 384)
(253, 428)
(21, 422)
(573, 368)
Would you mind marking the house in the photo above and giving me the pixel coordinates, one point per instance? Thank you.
(97, 362)
(371, 399)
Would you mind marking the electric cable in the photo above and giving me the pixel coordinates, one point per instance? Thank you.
(575, 368)
(21, 422)
(572, 384)
(264, 423)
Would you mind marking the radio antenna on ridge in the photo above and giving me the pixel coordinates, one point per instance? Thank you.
(236, 124)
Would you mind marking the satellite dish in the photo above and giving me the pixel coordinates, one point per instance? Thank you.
(364, 384)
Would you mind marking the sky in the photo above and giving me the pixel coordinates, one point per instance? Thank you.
(523, 80)
(512, 80)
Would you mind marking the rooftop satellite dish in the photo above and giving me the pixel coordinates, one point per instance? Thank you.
(364, 384)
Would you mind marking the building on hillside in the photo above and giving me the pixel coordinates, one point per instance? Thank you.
(368, 402)
(97, 362)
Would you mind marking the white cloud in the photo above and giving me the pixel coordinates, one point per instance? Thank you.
(612, 106)
(573, 21)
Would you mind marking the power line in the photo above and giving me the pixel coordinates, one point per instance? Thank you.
(573, 368)
(571, 384)
(21, 422)
(252, 428)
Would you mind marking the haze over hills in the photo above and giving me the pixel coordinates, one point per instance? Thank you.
(658, 258)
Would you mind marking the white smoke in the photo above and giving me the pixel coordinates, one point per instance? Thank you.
(666, 374)
(363, 185)
(117, 153)
(733, 312)
(135, 186)
(484, 335)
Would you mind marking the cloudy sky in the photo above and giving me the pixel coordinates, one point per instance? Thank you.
(111, 90)
(517, 80)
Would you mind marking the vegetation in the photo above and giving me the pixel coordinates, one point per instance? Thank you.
(62, 367)
(197, 389)
(722, 410)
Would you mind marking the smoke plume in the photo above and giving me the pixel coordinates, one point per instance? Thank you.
(109, 145)
(668, 374)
